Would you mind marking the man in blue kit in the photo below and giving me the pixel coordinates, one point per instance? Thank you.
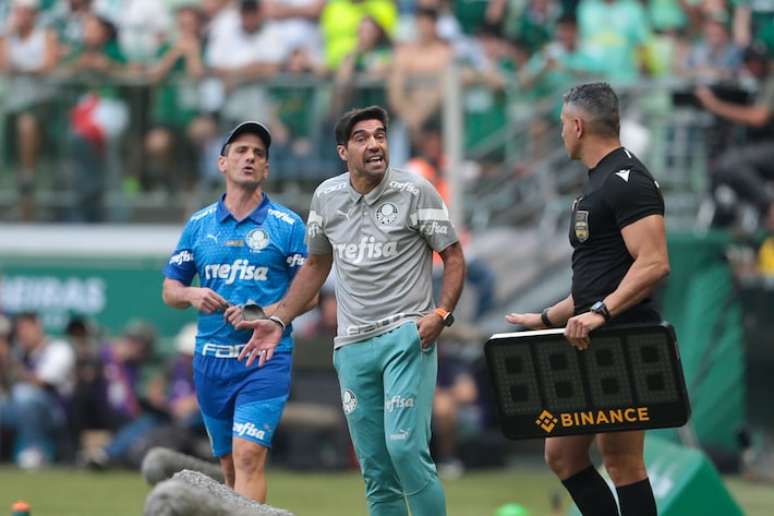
(246, 250)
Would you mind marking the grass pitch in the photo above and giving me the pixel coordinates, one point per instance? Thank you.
(65, 492)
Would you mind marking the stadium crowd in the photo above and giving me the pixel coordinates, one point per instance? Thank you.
(132, 96)
(96, 401)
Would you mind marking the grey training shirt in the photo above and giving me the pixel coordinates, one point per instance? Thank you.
(382, 245)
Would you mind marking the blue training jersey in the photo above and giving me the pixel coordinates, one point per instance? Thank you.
(252, 259)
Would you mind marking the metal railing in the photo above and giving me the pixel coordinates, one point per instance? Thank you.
(514, 174)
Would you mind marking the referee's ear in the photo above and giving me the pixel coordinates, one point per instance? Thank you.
(579, 125)
(341, 149)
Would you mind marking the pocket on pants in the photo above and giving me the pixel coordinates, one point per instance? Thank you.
(429, 348)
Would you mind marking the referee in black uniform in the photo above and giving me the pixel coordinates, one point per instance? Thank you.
(620, 254)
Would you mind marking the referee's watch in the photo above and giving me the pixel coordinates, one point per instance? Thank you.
(601, 308)
(446, 316)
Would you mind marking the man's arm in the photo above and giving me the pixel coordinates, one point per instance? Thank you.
(177, 295)
(453, 276)
(267, 333)
(305, 287)
(430, 326)
(755, 116)
(558, 314)
(645, 240)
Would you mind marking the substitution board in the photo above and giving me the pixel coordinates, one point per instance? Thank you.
(630, 378)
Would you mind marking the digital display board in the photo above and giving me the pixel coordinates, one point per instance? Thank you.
(630, 378)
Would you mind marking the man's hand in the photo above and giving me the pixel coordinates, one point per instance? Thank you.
(430, 327)
(266, 336)
(233, 315)
(529, 321)
(578, 329)
(206, 300)
(705, 96)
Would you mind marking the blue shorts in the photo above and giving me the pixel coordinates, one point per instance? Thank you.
(239, 401)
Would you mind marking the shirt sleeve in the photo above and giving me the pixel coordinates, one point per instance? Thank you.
(297, 252)
(316, 240)
(632, 195)
(56, 364)
(431, 218)
(182, 263)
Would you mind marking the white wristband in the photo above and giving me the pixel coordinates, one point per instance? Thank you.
(279, 321)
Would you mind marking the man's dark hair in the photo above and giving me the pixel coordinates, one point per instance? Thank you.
(249, 5)
(26, 315)
(600, 103)
(429, 12)
(567, 19)
(351, 118)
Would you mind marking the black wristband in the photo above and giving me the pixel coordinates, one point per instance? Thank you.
(544, 317)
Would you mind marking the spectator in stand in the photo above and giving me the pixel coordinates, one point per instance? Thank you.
(170, 415)
(98, 119)
(340, 20)
(415, 87)
(67, 18)
(43, 385)
(297, 116)
(125, 366)
(714, 58)
(181, 128)
(448, 25)
(28, 51)
(370, 60)
(143, 26)
(753, 23)
(748, 167)
(559, 65)
(241, 51)
(475, 14)
(486, 76)
(531, 24)
(299, 22)
(87, 409)
(614, 33)
(219, 15)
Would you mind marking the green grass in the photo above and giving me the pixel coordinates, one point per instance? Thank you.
(63, 492)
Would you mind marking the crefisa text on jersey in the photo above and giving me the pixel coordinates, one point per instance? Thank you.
(238, 270)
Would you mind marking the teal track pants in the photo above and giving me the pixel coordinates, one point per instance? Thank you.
(387, 385)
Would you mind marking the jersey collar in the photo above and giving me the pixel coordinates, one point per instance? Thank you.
(611, 156)
(374, 195)
(258, 215)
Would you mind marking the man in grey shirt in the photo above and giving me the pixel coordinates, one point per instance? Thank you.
(380, 227)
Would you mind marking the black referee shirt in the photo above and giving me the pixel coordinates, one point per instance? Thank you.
(620, 191)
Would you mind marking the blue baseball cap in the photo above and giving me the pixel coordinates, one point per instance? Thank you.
(250, 127)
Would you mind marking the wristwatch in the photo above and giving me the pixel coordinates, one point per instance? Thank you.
(448, 317)
(601, 308)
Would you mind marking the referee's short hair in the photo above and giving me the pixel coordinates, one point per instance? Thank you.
(600, 103)
(351, 118)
